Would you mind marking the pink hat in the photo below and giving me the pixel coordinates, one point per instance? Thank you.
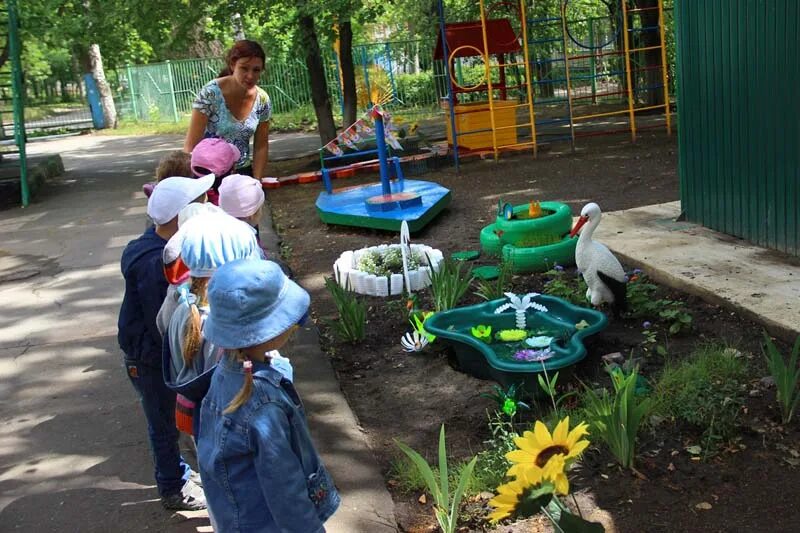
(240, 196)
(214, 155)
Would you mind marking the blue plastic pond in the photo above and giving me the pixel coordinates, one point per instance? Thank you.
(551, 339)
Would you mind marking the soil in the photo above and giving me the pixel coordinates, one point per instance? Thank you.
(750, 483)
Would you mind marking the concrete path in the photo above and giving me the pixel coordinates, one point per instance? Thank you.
(760, 284)
(74, 453)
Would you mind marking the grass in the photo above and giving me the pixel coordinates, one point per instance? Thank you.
(43, 111)
(705, 391)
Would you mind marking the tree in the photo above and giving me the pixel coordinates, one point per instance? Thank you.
(349, 94)
(316, 73)
(99, 75)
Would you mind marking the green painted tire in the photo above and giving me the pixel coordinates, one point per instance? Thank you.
(554, 225)
(540, 258)
(490, 242)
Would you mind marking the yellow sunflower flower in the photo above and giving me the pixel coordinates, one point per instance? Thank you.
(509, 496)
(538, 447)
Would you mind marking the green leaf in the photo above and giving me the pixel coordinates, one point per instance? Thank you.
(675, 328)
(445, 486)
(466, 475)
(570, 523)
(424, 469)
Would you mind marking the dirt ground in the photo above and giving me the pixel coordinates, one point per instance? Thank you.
(749, 486)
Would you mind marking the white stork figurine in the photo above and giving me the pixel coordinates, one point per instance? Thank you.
(602, 272)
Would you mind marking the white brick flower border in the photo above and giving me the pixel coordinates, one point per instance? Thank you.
(346, 273)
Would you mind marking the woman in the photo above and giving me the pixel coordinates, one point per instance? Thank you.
(232, 107)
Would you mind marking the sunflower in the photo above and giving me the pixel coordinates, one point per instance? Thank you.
(538, 448)
(511, 495)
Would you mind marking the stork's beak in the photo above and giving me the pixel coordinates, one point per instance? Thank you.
(578, 225)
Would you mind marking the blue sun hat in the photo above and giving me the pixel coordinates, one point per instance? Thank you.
(252, 302)
(212, 239)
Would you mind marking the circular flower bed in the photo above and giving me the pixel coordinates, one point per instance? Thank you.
(378, 270)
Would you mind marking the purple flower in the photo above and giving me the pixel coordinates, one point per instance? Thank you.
(533, 355)
(647, 324)
(637, 270)
(558, 268)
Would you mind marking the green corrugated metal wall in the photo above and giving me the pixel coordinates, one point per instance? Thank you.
(739, 117)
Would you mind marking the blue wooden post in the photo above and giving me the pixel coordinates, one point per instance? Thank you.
(380, 141)
(93, 95)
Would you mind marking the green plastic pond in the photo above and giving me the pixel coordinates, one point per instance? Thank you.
(519, 361)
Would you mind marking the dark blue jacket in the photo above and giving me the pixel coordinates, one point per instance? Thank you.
(145, 288)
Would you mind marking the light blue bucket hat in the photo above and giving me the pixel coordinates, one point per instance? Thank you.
(212, 239)
(252, 302)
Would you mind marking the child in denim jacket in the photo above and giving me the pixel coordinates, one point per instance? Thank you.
(259, 467)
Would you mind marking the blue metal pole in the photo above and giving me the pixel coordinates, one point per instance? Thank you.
(380, 141)
(450, 99)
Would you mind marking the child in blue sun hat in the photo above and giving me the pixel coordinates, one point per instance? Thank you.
(258, 463)
(207, 241)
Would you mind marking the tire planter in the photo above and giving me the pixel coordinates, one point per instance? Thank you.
(556, 223)
(540, 258)
(347, 274)
(482, 360)
(506, 238)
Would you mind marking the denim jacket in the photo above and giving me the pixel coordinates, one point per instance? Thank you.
(259, 467)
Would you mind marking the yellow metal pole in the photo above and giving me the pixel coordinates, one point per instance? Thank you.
(531, 112)
(664, 66)
(566, 71)
(628, 72)
(488, 80)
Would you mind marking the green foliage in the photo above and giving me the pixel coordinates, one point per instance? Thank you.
(494, 289)
(492, 465)
(446, 504)
(706, 390)
(786, 376)
(416, 90)
(449, 284)
(615, 418)
(568, 286)
(352, 312)
(642, 303)
(387, 262)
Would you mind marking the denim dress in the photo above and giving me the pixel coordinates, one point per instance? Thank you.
(260, 470)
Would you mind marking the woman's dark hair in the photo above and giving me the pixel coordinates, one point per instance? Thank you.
(240, 49)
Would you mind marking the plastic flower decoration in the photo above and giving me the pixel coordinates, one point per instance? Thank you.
(413, 342)
(512, 335)
(519, 497)
(483, 333)
(581, 325)
(419, 324)
(537, 448)
(541, 341)
(533, 355)
(520, 305)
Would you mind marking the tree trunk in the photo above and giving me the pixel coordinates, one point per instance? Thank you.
(316, 74)
(348, 72)
(652, 58)
(106, 98)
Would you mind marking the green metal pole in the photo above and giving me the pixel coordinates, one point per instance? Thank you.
(133, 93)
(18, 98)
(592, 65)
(172, 92)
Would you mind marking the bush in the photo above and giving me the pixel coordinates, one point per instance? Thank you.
(705, 391)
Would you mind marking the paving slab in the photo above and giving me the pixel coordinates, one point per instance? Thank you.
(762, 285)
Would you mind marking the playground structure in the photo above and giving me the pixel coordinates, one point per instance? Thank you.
(568, 82)
(9, 26)
(385, 205)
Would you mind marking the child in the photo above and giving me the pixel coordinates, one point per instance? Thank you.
(215, 156)
(175, 163)
(256, 457)
(209, 240)
(145, 288)
(243, 197)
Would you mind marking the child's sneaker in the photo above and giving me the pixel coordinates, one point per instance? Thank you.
(190, 498)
